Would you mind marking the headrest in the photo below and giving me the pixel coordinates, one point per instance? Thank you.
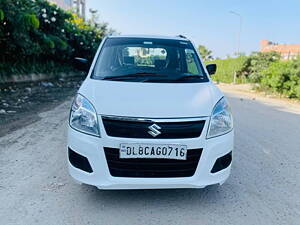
(129, 60)
(160, 63)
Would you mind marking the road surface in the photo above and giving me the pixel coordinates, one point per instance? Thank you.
(264, 187)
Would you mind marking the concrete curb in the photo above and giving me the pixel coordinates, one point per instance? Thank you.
(37, 77)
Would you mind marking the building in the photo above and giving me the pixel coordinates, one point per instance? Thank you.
(286, 51)
(78, 6)
(64, 4)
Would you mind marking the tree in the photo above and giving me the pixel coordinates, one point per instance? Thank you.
(37, 36)
(205, 53)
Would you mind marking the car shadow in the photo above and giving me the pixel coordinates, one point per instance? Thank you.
(153, 197)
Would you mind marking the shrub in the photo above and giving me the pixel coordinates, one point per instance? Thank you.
(266, 69)
(1, 15)
(42, 33)
(282, 77)
(226, 69)
(255, 64)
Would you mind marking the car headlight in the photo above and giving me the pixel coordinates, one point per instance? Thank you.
(83, 116)
(221, 121)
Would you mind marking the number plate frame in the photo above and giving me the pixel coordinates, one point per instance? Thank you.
(152, 151)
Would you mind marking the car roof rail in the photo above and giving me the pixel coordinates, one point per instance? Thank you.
(182, 36)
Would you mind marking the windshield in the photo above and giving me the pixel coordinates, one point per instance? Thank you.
(148, 60)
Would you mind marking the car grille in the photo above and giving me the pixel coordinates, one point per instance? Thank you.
(154, 168)
(139, 129)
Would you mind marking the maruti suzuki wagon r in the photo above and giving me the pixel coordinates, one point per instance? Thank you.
(148, 116)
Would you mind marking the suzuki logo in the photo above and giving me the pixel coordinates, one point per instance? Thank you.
(154, 130)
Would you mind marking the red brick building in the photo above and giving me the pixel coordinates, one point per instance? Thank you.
(286, 51)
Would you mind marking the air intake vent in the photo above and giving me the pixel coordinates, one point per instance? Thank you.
(222, 163)
(79, 161)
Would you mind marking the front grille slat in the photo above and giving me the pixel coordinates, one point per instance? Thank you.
(118, 163)
(152, 171)
(155, 168)
(139, 129)
(160, 166)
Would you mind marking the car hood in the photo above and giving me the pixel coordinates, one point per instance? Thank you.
(151, 100)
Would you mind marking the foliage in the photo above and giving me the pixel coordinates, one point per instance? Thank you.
(266, 69)
(226, 68)
(1, 15)
(205, 53)
(31, 20)
(37, 67)
(255, 64)
(35, 31)
(282, 77)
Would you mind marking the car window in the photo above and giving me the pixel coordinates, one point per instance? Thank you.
(190, 57)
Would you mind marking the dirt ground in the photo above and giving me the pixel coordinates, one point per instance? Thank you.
(246, 91)
(263, 189)
(20, 103)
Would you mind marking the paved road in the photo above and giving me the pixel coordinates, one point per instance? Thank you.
(264, 187)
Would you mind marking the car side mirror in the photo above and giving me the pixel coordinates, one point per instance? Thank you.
(211, 68)
(81, 64)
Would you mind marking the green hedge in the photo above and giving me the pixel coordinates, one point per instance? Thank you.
(226, 69)
(38, 36)
(265, 69)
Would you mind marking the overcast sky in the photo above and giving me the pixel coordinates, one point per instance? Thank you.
(206, 22)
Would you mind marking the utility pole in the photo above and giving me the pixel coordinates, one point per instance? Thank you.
(83, 9)
(80, 8)
(238, 39)
(94, 17)
(77, 2)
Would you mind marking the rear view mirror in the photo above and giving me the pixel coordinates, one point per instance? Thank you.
(81, 64)
(211, 68)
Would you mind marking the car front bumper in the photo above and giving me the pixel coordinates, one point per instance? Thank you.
(93, 149)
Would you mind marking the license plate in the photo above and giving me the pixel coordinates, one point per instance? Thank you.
(153, 151)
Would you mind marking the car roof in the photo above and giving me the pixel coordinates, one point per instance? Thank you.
(179, 37)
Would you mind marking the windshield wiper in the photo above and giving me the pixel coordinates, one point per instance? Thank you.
(185, 77)
(132, 75)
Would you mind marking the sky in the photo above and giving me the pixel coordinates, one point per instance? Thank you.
(206, 22)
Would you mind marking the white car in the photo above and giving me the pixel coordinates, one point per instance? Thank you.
(148, 116)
